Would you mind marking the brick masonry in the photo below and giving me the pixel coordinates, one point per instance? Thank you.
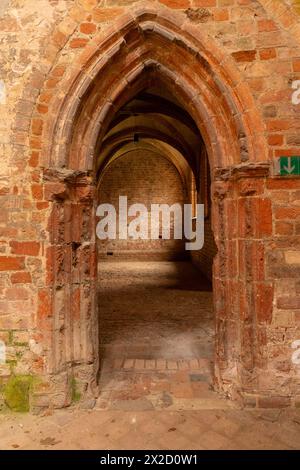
(51, 118)
(145, 178)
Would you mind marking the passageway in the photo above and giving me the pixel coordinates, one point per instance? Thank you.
(156, 323)
(157, 332)
(155, 310)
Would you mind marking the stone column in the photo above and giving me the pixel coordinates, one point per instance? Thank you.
(243, 298)
(71, 276)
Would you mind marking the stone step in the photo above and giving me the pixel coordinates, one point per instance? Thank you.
(192, 364)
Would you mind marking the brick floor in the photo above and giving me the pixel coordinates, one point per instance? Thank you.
(152, 429)
(154, 310)
(156, 381)
(156, 323)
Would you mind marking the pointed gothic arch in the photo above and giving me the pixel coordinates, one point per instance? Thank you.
(143, 49)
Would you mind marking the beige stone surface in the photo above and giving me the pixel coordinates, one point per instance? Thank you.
(152, 429)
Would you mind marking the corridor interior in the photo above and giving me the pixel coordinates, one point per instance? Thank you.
(157, 334)
(156, 324)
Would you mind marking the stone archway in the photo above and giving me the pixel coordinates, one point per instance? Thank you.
(109, 72)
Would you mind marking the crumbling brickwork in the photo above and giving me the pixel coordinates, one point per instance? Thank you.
(66, 68)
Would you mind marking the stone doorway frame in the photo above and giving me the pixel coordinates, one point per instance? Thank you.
(167, 48)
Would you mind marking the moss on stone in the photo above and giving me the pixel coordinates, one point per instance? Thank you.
(19, 355)
(10, 337)
(17, 393)
(12, 364)
(76, 395)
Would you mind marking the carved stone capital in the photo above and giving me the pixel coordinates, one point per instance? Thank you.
(62, 184)
(244, 170)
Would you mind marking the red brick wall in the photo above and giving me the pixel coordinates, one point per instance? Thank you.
(61, 88)
(146, 178)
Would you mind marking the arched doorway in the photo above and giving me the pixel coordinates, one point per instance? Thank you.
(146, 49)
(155, 307)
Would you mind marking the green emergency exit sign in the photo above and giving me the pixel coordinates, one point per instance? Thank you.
(288, 166)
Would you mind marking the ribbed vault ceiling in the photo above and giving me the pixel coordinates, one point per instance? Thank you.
(153, 120)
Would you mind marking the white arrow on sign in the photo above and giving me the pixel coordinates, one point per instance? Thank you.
(289, 168)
